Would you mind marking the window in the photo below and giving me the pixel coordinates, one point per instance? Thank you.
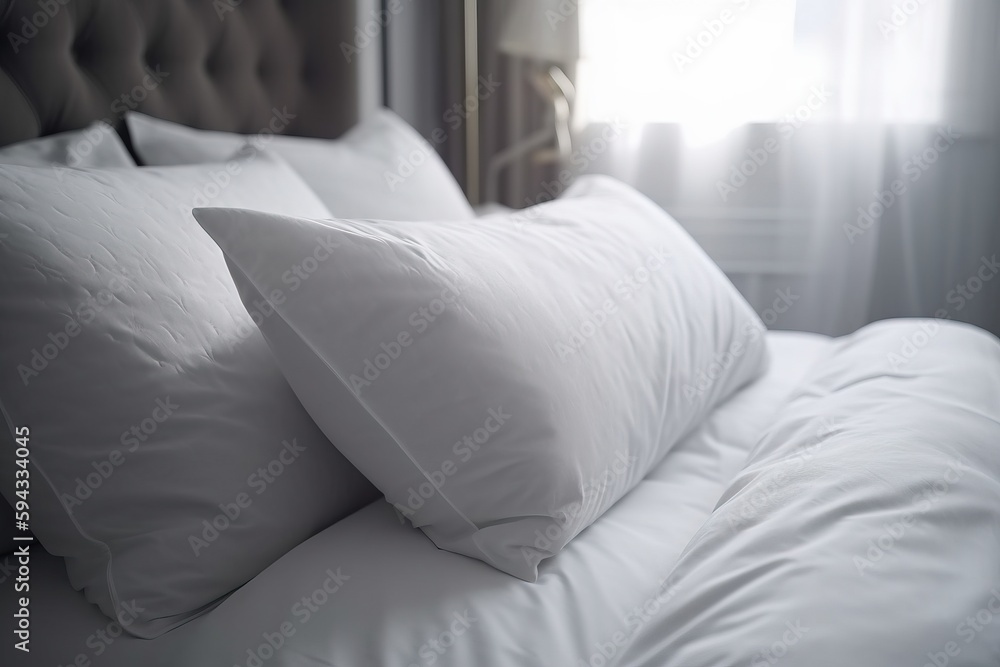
(713, 66)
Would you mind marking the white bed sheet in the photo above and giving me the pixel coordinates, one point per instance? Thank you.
(400, 601)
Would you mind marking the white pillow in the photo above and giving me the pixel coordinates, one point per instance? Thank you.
(154, 405)
(382, 168)
(96, 146)
(502, 384)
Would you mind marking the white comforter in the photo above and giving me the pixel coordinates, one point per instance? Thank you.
(865, 526)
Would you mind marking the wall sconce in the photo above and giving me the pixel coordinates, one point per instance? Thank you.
(530, 33)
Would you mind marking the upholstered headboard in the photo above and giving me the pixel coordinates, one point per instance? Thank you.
(214, 64)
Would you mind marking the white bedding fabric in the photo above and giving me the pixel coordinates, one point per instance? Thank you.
(848, 537)
(380, 169)
(96, 146)
(864, 528)
(152, 399)
(403, 592)
(455, 329)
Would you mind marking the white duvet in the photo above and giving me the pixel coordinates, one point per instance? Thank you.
(862, 529)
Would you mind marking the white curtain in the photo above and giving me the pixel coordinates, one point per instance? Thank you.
(838, 158)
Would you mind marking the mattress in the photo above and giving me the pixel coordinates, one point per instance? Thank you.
(371, 590)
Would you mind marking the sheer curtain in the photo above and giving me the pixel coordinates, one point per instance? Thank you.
(838, 159)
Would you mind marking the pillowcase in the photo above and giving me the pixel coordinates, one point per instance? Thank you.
(382, 168)
(171, 462)
(503, 384)
(96, 146)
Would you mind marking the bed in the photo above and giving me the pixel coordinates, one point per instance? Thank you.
(689, 481)
(839, 506)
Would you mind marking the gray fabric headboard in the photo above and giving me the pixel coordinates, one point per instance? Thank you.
(213, 64)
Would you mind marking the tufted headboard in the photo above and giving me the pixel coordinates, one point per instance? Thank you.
(213, 64)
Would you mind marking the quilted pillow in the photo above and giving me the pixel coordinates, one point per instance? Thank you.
(170, 460)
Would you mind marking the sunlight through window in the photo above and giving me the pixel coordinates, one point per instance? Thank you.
(714, 66)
